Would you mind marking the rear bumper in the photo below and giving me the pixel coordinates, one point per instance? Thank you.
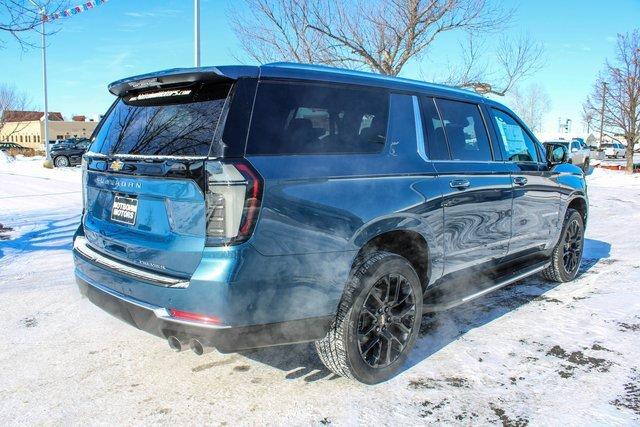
(260, 301)
(81, 248)
(157, 321)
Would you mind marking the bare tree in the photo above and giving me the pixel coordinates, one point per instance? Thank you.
(378, 35)
(11, 100)
(512, 60)
(20, 18)
(588, 117)
(531, 104)
(621, 99)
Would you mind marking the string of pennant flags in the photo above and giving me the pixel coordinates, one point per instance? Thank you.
(88, 5)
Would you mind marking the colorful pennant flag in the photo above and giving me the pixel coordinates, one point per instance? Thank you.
(73, 11)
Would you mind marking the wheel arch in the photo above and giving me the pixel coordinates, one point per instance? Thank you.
(408, 243)
(579, 203)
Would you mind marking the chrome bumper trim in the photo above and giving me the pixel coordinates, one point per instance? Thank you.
(81, 246)
(160, 312)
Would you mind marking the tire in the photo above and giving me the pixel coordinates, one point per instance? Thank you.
(360, 331)
(570, 245)
(61, 161)
(585, 165)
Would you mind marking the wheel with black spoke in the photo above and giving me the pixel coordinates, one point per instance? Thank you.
(567, 255)
(377, 322)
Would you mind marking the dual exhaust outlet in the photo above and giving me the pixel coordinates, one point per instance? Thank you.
(196, 346)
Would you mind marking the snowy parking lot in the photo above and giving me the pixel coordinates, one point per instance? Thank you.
(533, 353)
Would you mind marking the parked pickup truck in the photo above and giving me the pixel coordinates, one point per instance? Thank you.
(614, 150)
(239, 207)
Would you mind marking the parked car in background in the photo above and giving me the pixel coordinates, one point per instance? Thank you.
(6, 146)
(578, 153)
(239, 207)
(614, 150)
(12, 149)
(69, 152)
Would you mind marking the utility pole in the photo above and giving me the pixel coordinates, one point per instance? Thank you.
(604, 94)
(196, 31)
(43, 13)
(44, 87)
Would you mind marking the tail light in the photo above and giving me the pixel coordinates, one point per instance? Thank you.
(194, 317)
(233, 198)
(84, 183)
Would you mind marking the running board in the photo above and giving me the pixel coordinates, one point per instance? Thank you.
(431, 308)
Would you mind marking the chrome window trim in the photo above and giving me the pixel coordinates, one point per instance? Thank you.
(417, 118)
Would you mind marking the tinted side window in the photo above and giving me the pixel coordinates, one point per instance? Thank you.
(465, 130)
(296, 118)
(434, 129)
(518, 145)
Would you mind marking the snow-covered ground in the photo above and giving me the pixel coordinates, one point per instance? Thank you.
(535, 352)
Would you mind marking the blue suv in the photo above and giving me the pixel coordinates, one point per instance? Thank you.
(239, 207)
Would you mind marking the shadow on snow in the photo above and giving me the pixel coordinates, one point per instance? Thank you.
(53, 234)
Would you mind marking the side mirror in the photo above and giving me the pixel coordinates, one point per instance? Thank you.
(556, 154)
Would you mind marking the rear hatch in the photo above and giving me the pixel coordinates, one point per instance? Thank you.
(146, 179)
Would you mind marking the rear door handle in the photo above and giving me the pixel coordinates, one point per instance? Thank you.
(520, 180)
(460, 184)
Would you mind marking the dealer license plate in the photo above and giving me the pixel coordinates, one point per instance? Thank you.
(124, 210)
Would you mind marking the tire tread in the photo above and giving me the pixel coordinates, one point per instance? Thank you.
(331, 349)
(553, 272)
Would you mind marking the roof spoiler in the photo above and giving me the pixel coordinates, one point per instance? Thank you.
(179, 76)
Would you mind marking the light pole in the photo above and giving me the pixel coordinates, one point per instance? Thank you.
(43, 13)
(604, 94)
(196, 32)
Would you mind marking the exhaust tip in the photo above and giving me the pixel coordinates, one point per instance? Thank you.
(175, 344)
(197, 347)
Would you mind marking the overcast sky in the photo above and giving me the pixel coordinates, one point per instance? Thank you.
(123, 38)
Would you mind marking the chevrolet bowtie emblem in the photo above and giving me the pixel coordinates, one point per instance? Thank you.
(116, 166)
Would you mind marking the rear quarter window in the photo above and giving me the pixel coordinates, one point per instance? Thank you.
(305, 118)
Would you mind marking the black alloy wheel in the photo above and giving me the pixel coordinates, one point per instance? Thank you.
(377, 322)
(386, 321)
(572, 247)
(565, 259)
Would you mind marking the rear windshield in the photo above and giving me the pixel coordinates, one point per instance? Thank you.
(303, 118)
(171, 122)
